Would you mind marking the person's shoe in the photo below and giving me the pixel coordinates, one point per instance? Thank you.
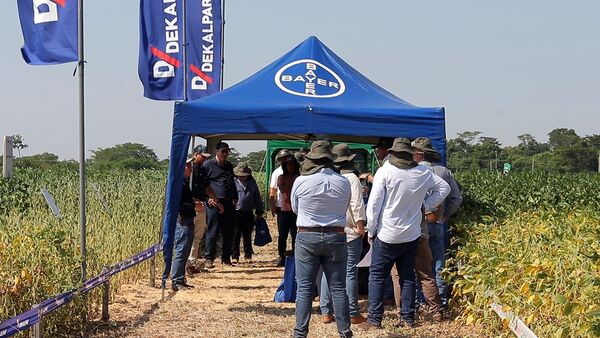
(209, 264)
(181, 286)
(368, 326)
(326, 319)
(248, 258)
(438, 316)
(235, 260)
(226, 262)
(406, 323)
(281, 262)
(357, 319)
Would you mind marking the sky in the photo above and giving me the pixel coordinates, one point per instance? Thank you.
(504, 68)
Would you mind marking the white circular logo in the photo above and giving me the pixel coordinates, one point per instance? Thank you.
(309, 78)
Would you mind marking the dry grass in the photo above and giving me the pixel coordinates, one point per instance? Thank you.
(235, 302)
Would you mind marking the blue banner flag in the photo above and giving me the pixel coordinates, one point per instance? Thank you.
(160, 65)
(49, 30)
(204, 21)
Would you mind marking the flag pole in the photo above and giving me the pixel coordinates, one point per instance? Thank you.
(222, 42)
(82, 202)
(184, 45)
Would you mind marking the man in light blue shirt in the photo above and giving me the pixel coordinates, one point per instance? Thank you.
(320, 198)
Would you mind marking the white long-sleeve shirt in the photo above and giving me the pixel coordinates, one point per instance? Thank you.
(321, 199)
(394, 208)
(273, 183)
(356, 210)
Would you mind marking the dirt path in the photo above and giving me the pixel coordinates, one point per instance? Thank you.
(234, 302)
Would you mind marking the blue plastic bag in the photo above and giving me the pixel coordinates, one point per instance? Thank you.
(262, 236)
(286, 292)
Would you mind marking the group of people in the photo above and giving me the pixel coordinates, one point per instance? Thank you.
(319, 202)
(404, 219)
(216, 198)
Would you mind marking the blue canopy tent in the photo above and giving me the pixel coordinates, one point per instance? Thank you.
(308, 92)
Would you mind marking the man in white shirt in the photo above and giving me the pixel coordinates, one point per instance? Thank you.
(356, 219)
(275, 205)
(320, 198)
(401, 189)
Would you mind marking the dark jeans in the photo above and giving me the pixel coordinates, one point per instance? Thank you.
(222, 223)
(286, 223)
(383, 257)
(184, 236)
(327, 250)
(243, 226)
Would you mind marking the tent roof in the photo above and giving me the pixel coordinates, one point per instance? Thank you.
(309, 90)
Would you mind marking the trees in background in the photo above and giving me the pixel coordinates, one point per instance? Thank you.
(19, 144)
(125, 156)
(565, 151)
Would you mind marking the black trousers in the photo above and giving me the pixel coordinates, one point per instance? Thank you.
(286, 223)
(219, 223)
(243, 227)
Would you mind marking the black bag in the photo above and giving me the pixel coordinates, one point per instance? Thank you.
(262, 236)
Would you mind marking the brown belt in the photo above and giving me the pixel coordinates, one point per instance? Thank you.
(321, 229)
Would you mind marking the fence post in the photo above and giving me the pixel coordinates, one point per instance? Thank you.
(153, 271)
(7, 159)
(105, 298)
(37, 327)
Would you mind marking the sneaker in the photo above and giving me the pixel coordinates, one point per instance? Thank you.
(248, 258)
(357, 319)
(281, 262)
(326, 319)
(235, 260)
(209, 264)
(368, 326)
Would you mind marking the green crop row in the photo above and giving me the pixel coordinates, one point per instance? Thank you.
(530, 242)
(40, 254)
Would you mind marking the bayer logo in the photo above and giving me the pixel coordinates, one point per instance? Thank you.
(309, 78)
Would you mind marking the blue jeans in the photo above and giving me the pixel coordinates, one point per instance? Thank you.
(184, 237)
(354, 250)
(437, 242)
(327, 250)
(383, 257)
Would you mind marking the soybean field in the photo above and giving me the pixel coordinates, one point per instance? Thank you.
(529, 242)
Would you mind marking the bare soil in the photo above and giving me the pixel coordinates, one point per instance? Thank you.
(237, 302)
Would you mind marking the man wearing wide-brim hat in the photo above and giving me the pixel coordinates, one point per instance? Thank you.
(320, 198)
(437, 227)
(248, 200)
(275, 202)
(356, 220)
(400, 189)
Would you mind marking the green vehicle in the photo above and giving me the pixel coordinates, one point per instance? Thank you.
(365, 159)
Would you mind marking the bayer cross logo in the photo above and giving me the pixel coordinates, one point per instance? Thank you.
(309, 78)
